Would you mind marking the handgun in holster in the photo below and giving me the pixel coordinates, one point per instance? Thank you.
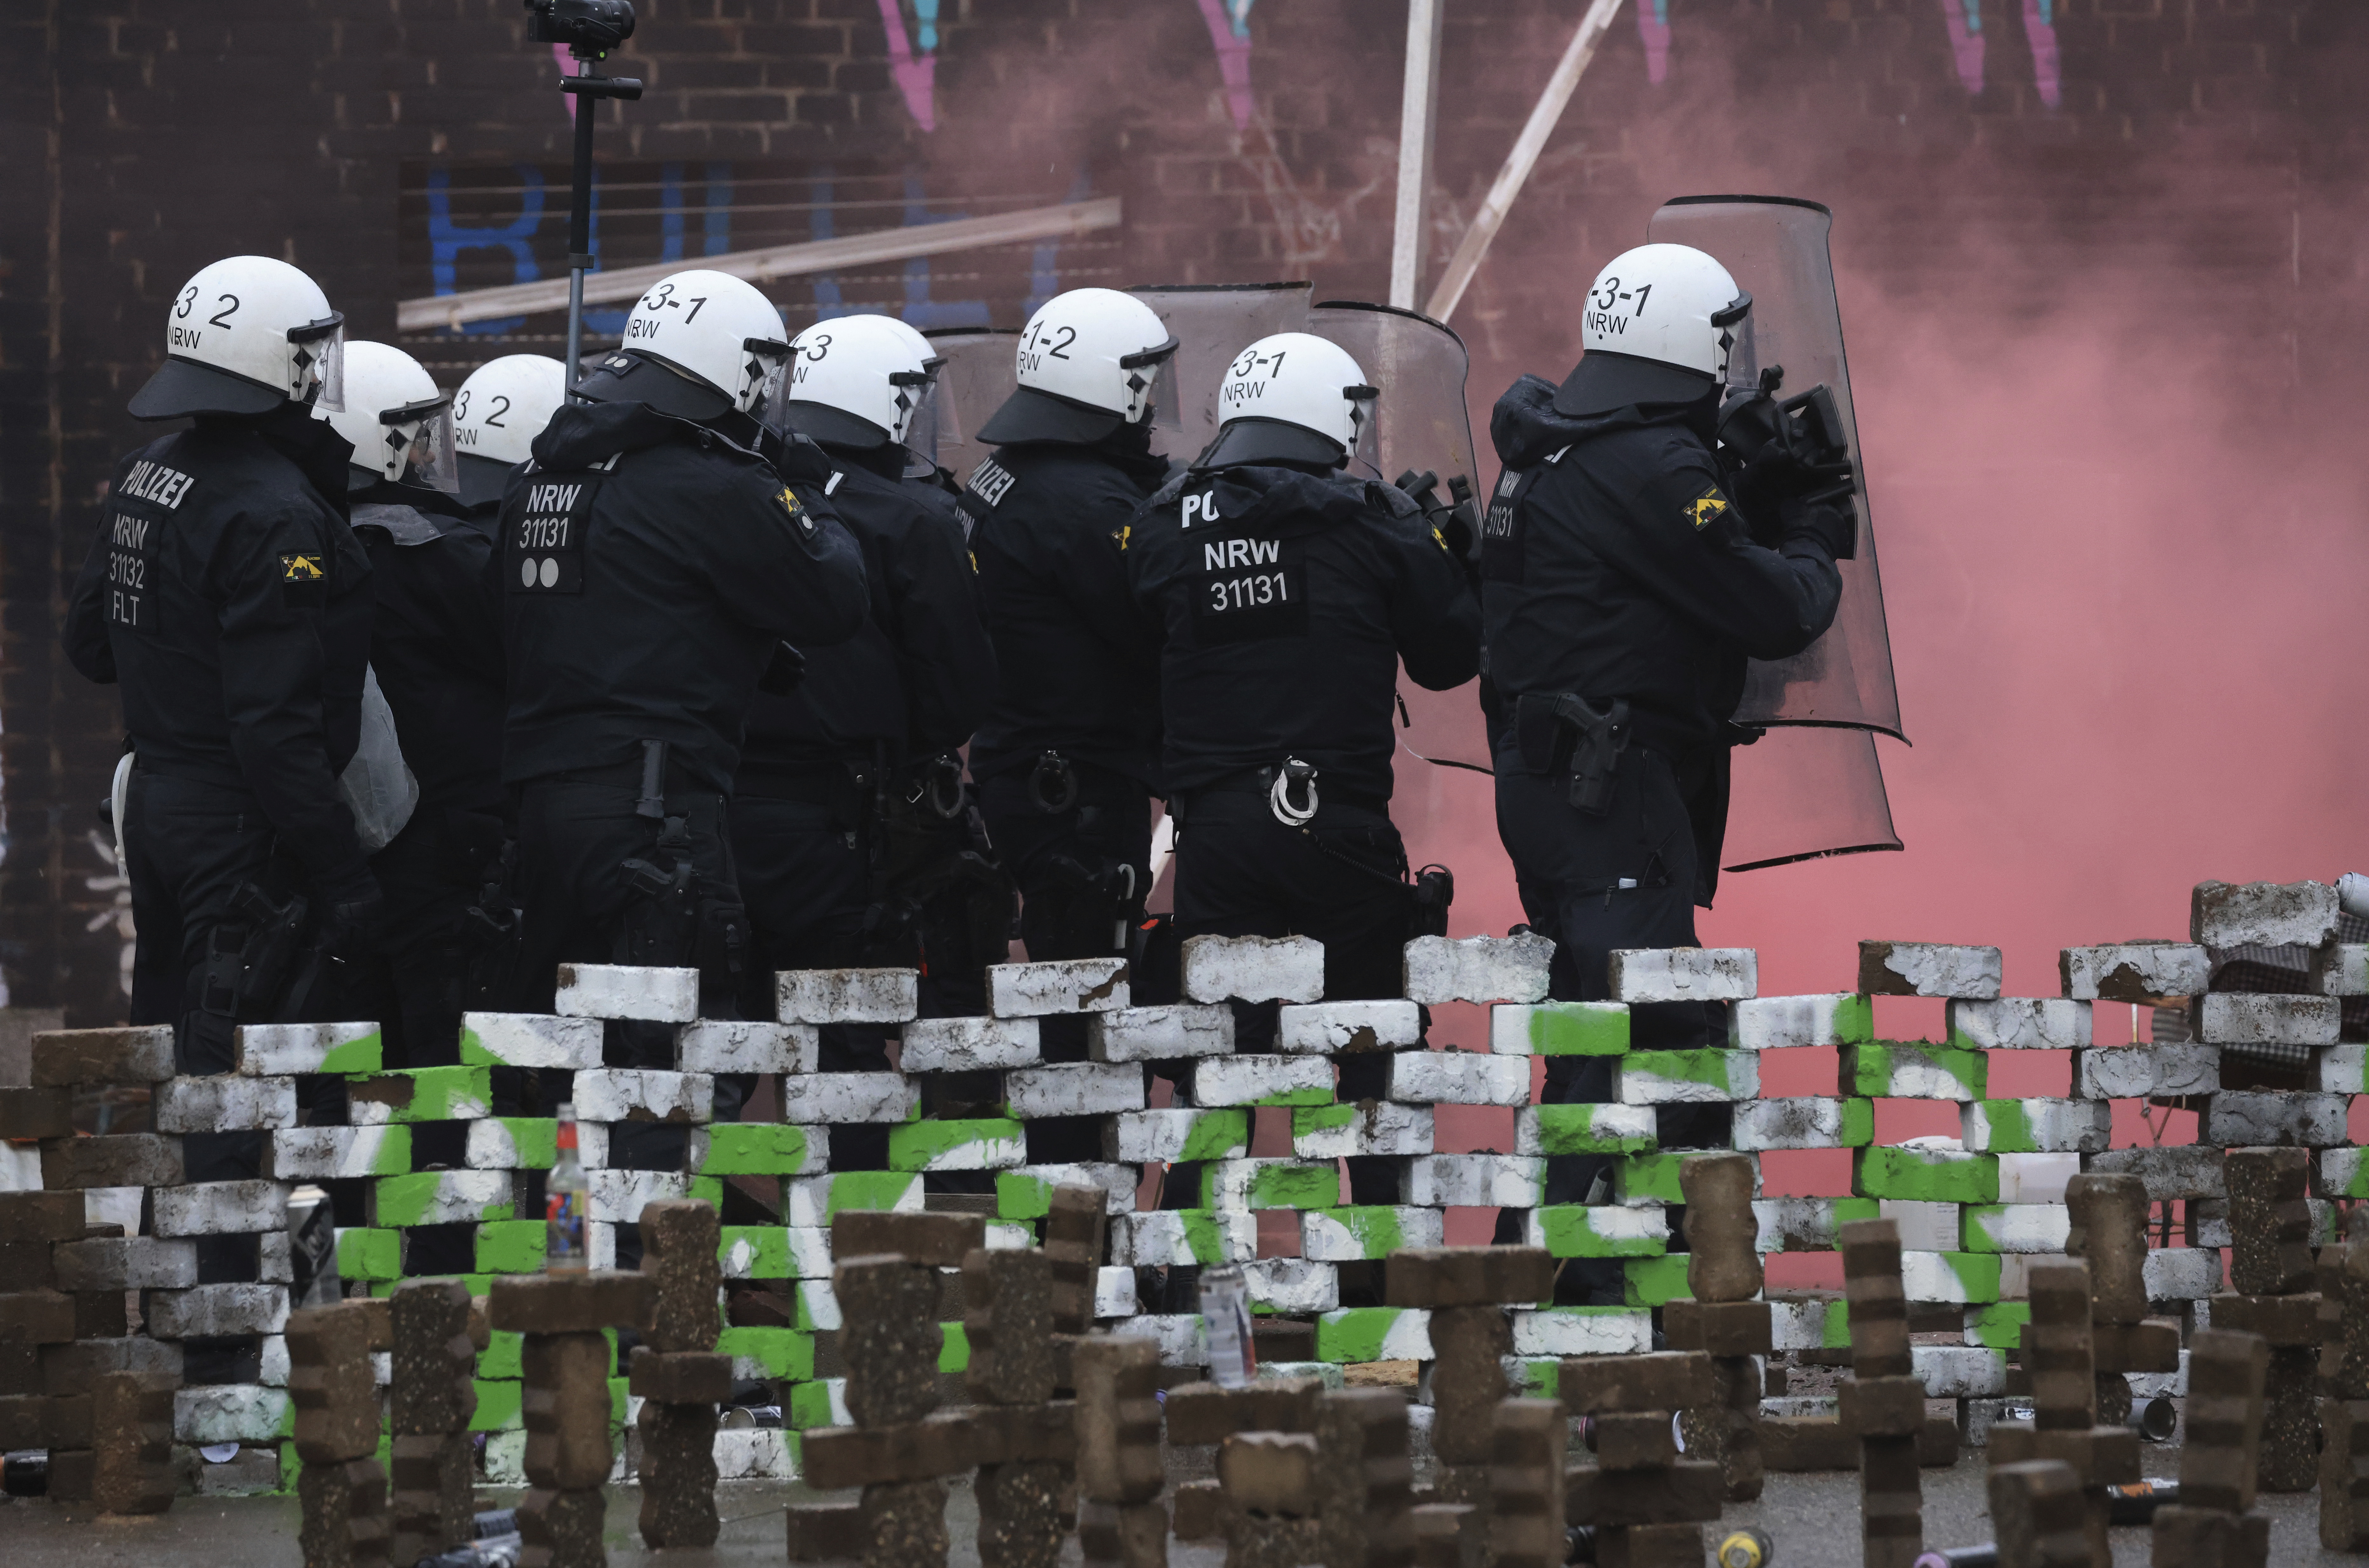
(249, 964)
(1598, 738)
(1434, 890)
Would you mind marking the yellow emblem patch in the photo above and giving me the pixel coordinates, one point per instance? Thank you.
(1706, 508)
(301, 568)
(791, 505)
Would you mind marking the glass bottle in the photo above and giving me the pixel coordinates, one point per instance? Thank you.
(566, 1199)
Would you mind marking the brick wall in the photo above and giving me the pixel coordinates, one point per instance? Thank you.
(144, 138)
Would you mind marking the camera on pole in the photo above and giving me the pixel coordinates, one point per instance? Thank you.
(589, 28)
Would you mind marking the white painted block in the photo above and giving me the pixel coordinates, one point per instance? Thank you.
(970, 1045)
(600, 1242)
(1293, 1286)
(455, 1197)
(1929, 968)
(2182, 1273)
(1641, 1080)
(1607, 1125)
(2181, 1170)
(1066, 985)
(2341, 968)
(753, 1453)
(217, 1311)
(1557, 1028)
(811, 1201)
(1354, 1235)
(2135, 1073)
(2247, 1018)
(1460, 1078)
(1582, 1330)
(1407, 1338)
(1254, 968)
(2343, 1070)
(2036, 1178)
(279, 1050)
(2028, 1227)
(1478, 969)
(1178, 1334)
(1171, 1238)
(2161, 1385)
(2129, 971)
(1959, 1371)
(1330, 1028)
(819, 1305)
(1802, 1325)
(1783, 1023)
(1117, 1182)
(1250, 1080)
(1173, 1032)
(2254, 1119)
(535, 1039)
(1608, 1223)
(1924, 1226)
(1684, 974)
(618, 1196)
(274, 1264)
(1115, 1294)
(220, 1208)
(225, 1103)
(835, 1097)
(274, 1373)
(1812, 1407)
(731, 1045)
(1369, 1127)
(334, 1153)
(1168, 1134)
(2020, 1022)
(846, 996)
(1478, 1181)
(1809, 1123)
(492, 1147)
(1246, 1184)
(2057, 1127)
(1074, 1089)
(1797, 1224)
(229, 1413)
(639, 1093)
(2263, 914)
(627, 991)
(1927, 1276)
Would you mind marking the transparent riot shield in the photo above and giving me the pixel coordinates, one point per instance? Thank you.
(1802, 792)
(979, 373)
(1212, 323)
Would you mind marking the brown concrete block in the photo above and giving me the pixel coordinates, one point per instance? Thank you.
(939, 1444)
(100, 1314)
(2270, 1224)
(569, 1304)
(346, 1523)
(378, 1313)
(73, 1369)
(1890, 1503)
(1076, 1228)
(1724, 1256)
(1008, 1319)
(2114, 1395)
(1269, 1472)
(1467, 1379)
(37, 1317)
(1688, 1490)
(431, 1506)
(905, 1524)
(32, 1265)
(1205, 1413)
(678, 1473)
(1467, 1276)
(431, 1388)
(330, 1384)
(1025, 1433)
(2108, 1232)
(2346, 1358)
(890, 1339)
(116, 1159)
(1525, 1483)
(2280, 1320)
(2221, 1449)
(2187, 1537)
(1642, 1440)
(2344, 1474)
(1284, 1339)
(680, 1377)
(1365, 1484)
(1727, 1431)
(1201, 1507)
(561, 1530)
(1119, 1419)
(2149, 1346)
(25, 1423)
(1883, 1407)
(26, 1114)
(1115, 1535)
(1270, 1541)
(1650, 1546)
(2102, 1456)
(1806, 1442)
(679, 1238)
(565, 1408)
(132, 1443)
(1937, 1443)
(1024, 1511)
(137, 1054)
(1603, 1385)
(936, 1240)
(70, 1419)
(2039, 1515)
(826, 1532)
(71, 1474)
(2290, 1452)
(1448, 1535)
(1719, 1328)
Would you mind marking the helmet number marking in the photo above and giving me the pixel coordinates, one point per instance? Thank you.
(696, 301)
(1060, 350)
(221, 317)
(1030, 352)
(188, 298)
(501, 407)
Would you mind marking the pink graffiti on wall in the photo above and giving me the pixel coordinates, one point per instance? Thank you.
(1965, 19)
(2040, 27)
(916, 75)
(1230, 34)
(1654, 28)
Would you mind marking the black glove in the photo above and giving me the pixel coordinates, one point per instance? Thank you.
(351, 916)
(1776, 474)
(1832, 525)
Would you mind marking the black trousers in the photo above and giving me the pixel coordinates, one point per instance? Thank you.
(1242, 872)
(1570, 871)
(1064, 863)
(426, 969)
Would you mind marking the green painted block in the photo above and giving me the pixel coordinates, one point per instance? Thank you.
(754, 1252)
(757, 1148)
(1590, 1130)
(1997, 1326)
(1569, 1029)
(784, 1354)
(708, 1190)
(1730, 1072)
(1221, 1131)
(1912, 1070)
(500, 1356)
(403, 1201)
(1836, 1332)
(1371, 1334)
(1376, 1229)
(439, 1093)
(369, 1254)
(1855, 1020)
(810, 1406)
(536, 1140)
(1021, 1197)
(498, 1401)
(1537, 1377)
(1858, 1123)
(954, 1347)
(1652, 1178)
(291, 1467)
(1313, 1094)
(1655, 1282)
(1974, 1277)
(1571, 1230)
(512, 1246)
(365, 1055)
(1282, 1185)
(984, 1141)
(1922, 1175)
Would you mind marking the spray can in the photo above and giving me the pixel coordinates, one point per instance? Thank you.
(25, 1472)
(1226, 1319)
(1748, 1548)
(2155, 1420)
(2136, 1502)
(313, 1250)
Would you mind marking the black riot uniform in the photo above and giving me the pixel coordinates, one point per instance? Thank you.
(650, 569)
(833, 826)
(1624, 594)
(1065, 759)
(1286, 600)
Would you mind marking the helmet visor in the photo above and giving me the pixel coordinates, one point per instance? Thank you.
(432, 454)
(316, 364)
(1366, 444)
(768, 364)
(916, 394)
(1742, 357)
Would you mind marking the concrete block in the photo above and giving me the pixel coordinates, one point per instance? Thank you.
(2019, 1024)
(1696, 1077)
(1479, 1180)
(2135, 971)
(819, 1307)
(753, 1453)
(970, 1045)
(1330, 1028)
(114, 1160)
(1261, 1081)
(1807, 1224)
(2036, 1178)
(2263, 914)
(1582, 1330)
(512, 1143)
(1254, 968)
(1354, 1335)
(2252, 1119)
(1953, 1277)
(230, 1412)
(2180, 1172)
(529, 1039)
(2340, 1173)
(2343, 1070)
(1923, 1226)
(440, 1197)
(1803, 1124)
(339, 1154)
(1478, 969)
(1177, 1133)
(987, 1143)
(1559, 1028)
(2036, 1127)
(2341, 968)
(2014, 1228)
(2182, 1273)
(1928, 968)
(420, 1094)
(719, 1045)
(1074, 1089)
(1067, 985)
(815, 1200)
(280, 1051)
(2137, 1072)
(125, 1263)
(1028, 1193)
(1912, 1070)
(1959, 1371)
(1604, 1230)
(217, 1311)
(1460, 1078)
(618, 1196)
(1781, 1022)
(224, 1103)
(846, 996)
(836, 1097)
(628, 991)
(1115, 1294)
(638, 1094)
(1589, 1128)
(1817, 1323)
(1369, 1126)
(1684, 974)
(220, 1208)
(1173, 1032)
(1174, 1238)
(1293, 1286)
(2236, 1018)
(1270, 1183)
(1926, 1172)
(141, 1054)
(1657, 1178)
(1359, 1234)
(1178, 1335)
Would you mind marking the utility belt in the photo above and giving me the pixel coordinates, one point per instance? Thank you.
(1294, 791)
(1559, 732)
(849, 787)
(653, 779)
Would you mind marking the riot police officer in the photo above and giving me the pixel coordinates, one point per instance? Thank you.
(651, 565)
(1624, 589)
(229, 599)
(1286, 595)
(1064, 759)
(496, 414)
(837, 805)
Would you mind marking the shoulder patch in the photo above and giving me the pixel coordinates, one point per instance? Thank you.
(1707, 509)
(304, 579)
(798, 513)
(295, 567)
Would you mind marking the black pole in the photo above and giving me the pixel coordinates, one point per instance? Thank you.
(579, 222)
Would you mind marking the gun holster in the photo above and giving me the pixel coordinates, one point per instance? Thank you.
(251, 962)
(676, 918)
(1561, 729)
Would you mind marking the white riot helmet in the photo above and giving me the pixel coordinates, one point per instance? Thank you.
(1658, 327)
(1089, 363)
(243, 337)
(856, 381)
(497, 413)
(395, 418)
(1293, 397)
(699, 345)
